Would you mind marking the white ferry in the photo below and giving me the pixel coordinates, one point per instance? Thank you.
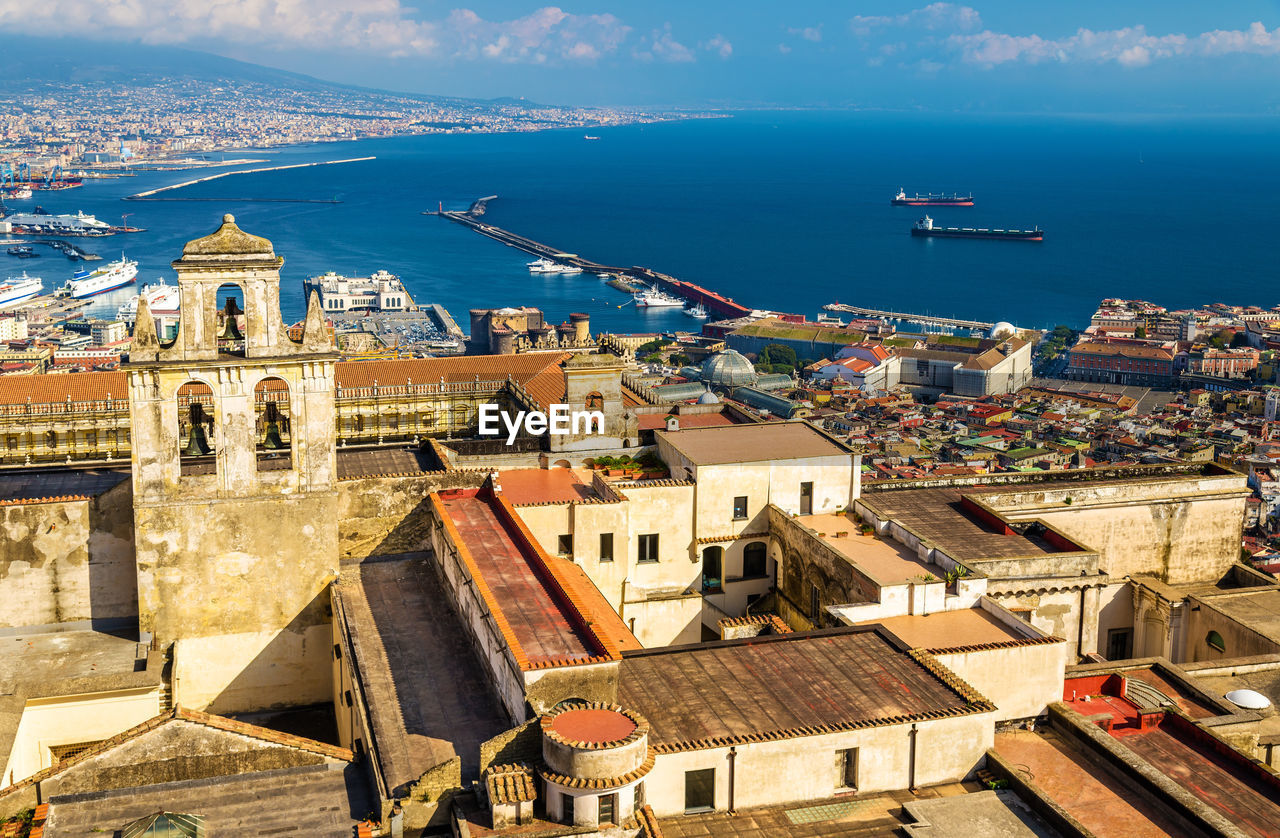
(100, 280)
(42, 223)
(22, 193)
(653, 298)
(162, 301)
(15, 289)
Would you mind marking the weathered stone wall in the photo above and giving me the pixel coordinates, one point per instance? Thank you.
(1178, 529)
(388, 515)
(242, 584)
(1240, 640)
(69, 561)
(804, 560)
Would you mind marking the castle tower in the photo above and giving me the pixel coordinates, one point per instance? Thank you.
(594, 382)
(234, 463)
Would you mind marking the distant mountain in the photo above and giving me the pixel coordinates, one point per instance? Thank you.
(30, 62)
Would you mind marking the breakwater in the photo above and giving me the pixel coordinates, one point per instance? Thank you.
(713, 301)
(150, 194)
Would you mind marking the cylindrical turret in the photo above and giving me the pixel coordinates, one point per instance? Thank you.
(502, 341)
(480, 329)
(590, 751)
(581, 326)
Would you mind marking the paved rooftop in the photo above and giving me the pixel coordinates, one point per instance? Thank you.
(544, 626)
(1257, 609)
(938, 516)
(1100, 799)
(59, 482)
(883, 559)
(947, 629)
(751, 443)
(986, 813)
(427, 693)
(363, 462)
(64, 662)
(542, 485)
(778, 683)
(318, 802)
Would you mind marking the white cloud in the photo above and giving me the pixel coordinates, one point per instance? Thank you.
(719, 45)
(384, 27)
(809, 33)
(1129, 47)
(784, 49)
(932, 17)
(662, 46)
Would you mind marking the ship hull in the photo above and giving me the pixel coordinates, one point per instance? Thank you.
(924, 202)
(956, 233)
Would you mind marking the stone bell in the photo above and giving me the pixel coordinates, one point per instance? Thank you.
(272, 439)
(197, 443)
(230, 331)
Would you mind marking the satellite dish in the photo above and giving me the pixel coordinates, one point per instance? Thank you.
(1249, 699)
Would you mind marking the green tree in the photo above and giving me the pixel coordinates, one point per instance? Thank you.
(1140, 333)
(777, 353)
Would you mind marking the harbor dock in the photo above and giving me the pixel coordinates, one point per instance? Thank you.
(150, 194)
(717, 303)
(950, 322)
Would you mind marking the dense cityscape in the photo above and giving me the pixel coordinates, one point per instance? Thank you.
(378, 568)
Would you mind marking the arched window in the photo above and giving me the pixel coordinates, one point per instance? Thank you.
(230, 320)
(272, 430)
(712, 568)
(1215, 641)
(595, 401)
(754, 561)
(51, 440)
(195, 427)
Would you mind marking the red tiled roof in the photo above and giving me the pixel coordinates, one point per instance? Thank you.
(52, 389)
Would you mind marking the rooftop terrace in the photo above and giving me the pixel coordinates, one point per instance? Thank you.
(538, 485)
(941, 516)
(408, 642)
(949, 629)
(750, 443)
(884, 560)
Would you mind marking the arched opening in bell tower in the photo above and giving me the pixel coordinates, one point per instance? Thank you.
(195, 438)
(230, 322)
(272, 425)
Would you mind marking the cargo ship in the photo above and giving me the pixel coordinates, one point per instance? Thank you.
(924, 227)
(902, 199)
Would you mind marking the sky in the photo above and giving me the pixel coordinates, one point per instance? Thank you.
(1077, 56)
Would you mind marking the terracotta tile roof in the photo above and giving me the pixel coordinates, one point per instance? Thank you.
(53, 389)
(649, 827)
(461, 368)
(510, 784)
(600, 783)
(1123, 350)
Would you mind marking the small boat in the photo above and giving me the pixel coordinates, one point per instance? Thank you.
(570, 269)
(697, 312)
(545, 266)
(23, 251)
(589, 137)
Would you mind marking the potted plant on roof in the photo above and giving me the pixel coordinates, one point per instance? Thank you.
(867, 529)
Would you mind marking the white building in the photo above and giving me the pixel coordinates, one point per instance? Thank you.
(381, 292)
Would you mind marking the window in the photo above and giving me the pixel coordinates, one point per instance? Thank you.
(700, 790)
(566, 808)
(640, 795)
(564, 545)
(806, 498)
(712, 568)
(1215, 641)
(813, 604)
(754, 563)
(606, 546)
(740, 508)
(1119, 644)
(608, 809)
(847, 768)
(648, 548)
(58, 753)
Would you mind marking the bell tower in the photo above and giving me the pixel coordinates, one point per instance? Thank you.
(234, 463)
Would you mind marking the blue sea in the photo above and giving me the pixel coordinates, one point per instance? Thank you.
(779, 210)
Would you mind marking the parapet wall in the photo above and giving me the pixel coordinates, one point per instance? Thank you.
(387, 515)
(69, 560)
